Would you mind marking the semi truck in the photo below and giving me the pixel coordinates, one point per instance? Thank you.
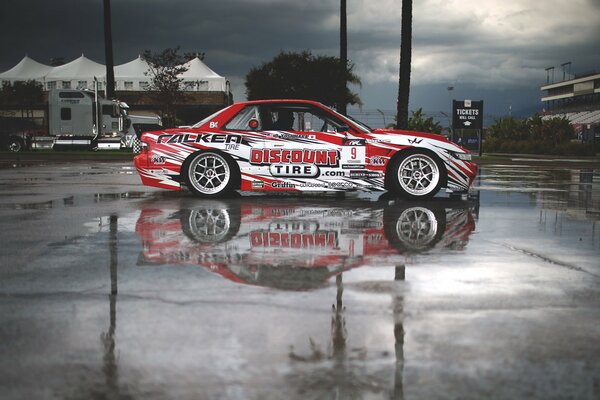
(75, 119)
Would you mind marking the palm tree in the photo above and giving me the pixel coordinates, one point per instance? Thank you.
(405, 56)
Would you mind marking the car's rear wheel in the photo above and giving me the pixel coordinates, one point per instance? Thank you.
(416, 175)
(211, 174)
(210, 223)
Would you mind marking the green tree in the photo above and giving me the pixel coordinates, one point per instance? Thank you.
(165, 87)
(418, 122)
(22, 95)
(508, 128)
(556, 130)
(301, 76)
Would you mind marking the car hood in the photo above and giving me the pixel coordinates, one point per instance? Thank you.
(416, 139)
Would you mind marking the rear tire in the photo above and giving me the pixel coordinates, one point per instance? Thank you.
(210, 223)
(211, 174)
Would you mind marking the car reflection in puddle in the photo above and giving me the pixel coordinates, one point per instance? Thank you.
(293, 244)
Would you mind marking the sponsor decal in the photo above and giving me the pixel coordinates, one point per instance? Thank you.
(156, 159)
(353, 166)
(354, 142)
(184, 138)
(296, 170)
(341, 185)
(294, 240)
(258, 184)
(282, 185)
(365, 174)
(294, 156)
(377, 161)
(292, 136)
(415, 141)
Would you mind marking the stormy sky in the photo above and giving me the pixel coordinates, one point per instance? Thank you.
(491, 50)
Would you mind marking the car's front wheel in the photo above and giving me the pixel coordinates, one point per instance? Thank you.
(15, 145)
(211, 174)
(416, 175)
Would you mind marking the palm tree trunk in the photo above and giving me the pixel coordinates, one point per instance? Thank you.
(405, 59)
(108, 52)
(343, 57)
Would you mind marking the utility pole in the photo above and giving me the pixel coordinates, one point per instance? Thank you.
(343, 56)
(108, 53)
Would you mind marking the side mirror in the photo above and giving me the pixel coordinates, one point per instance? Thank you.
(343, 128)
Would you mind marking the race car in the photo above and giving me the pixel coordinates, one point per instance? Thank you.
(299, 146)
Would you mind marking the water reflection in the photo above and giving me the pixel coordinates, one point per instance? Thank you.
(298, 245)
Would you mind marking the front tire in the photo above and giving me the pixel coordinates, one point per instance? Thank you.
(15, 145)
(413, 230)
(416, 175)
(211, 174)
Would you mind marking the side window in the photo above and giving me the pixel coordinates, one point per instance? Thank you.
(65, 114)
(316, 123)
(109, 109)
(242, 120)
(283, 119)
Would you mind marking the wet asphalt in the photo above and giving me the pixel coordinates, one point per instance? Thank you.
(109, 289)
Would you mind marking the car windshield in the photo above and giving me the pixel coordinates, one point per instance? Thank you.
(362, 126)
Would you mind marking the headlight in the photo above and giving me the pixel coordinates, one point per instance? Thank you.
(462, 156)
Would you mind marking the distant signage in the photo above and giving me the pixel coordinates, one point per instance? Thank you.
(467, 114)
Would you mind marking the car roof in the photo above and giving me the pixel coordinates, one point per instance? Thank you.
(268, 101)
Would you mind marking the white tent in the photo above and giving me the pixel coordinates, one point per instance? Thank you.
(199, 77)
(26, 69)
(132, 75)
(78, 74)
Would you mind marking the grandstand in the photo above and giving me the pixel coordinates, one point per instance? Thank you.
(578, 100)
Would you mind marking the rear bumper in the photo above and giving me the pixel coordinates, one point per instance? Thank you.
(155, 176)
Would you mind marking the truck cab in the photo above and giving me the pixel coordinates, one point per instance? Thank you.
(83, 118)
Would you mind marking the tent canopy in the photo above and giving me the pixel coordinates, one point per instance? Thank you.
(81, 68)
(28, 68)
(133, 75)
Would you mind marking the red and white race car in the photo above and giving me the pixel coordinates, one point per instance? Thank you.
(299, 145)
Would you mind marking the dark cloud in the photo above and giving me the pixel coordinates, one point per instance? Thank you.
(486, 46)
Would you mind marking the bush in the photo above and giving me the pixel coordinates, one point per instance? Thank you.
(534, 136)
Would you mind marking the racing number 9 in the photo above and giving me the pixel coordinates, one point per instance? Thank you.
(353, 154)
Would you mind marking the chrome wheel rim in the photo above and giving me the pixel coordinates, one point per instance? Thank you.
(14, 146)
(418, 174)
(210, 173)
(417, 227)
(209, 225)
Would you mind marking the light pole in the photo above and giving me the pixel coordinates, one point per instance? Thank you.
(450, 89)
(382, 116)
